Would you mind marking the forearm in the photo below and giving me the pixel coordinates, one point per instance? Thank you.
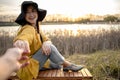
(5, 69)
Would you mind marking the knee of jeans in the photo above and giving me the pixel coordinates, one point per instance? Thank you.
(52, 47)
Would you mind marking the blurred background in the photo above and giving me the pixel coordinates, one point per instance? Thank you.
(86, 32)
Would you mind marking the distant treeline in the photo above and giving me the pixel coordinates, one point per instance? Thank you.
(8, 24)
(61, 22)
(105, 20)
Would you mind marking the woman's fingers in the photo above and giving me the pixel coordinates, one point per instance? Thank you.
(26, 47)
(48, 50)
(44, 50)
(24, 64)
(22, 45)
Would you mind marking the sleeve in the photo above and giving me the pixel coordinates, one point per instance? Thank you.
(44, 37)
(26, 33)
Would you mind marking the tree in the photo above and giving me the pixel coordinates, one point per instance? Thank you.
(111, 19)
(84, 20)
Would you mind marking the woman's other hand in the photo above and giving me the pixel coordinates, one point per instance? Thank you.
(22, 45)
(46, 47)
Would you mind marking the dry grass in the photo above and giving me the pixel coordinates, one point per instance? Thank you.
(6, 41)
(104, 65)
(87, 41)
(80, 41)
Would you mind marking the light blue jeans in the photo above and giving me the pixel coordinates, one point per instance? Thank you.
(56, 59)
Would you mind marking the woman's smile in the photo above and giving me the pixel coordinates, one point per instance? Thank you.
(31, 15)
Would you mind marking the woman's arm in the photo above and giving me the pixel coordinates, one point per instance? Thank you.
(24, 38)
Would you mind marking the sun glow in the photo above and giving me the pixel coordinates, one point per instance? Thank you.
(73, 8)
(77, 8)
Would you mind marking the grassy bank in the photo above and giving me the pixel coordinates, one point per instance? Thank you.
(104, 65)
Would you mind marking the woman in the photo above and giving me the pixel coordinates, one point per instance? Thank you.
(37, 44)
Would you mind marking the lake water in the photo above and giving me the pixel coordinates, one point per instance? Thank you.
(11, 30)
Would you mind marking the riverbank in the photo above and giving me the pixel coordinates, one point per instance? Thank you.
(57, 23)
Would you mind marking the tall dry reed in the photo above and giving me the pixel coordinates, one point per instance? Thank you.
(67, 42)
(86, 41)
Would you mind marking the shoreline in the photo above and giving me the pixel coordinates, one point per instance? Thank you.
(59, 23)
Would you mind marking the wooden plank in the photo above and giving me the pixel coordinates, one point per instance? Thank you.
(80, 74)
(49, 73)
(87, 72)
(71, 74)
(53, 73)
(75, 74)
(60, 73)
(41, 73)
(83, 74)
(66, 74)
(45, 74)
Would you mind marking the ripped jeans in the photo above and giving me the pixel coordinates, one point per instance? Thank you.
(56, 59)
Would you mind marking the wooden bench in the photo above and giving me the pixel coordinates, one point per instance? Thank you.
(83, 74)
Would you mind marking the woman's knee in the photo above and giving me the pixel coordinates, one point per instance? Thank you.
(52, 47)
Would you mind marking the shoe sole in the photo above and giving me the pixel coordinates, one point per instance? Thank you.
(66, 70)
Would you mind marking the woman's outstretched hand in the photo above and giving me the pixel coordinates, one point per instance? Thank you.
(22, 45)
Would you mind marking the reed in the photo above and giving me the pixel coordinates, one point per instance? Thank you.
(80, 41)
(86, 41)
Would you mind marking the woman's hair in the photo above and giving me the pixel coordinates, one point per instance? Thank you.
(26, 22)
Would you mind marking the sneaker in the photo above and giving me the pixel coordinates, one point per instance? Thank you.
(52, 66)
(44, 69)
(55, 66)
(73, 67)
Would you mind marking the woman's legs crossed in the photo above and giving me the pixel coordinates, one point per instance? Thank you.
(55, 57)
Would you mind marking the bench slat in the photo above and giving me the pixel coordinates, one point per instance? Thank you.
(83, 74)
(87, 72)
(54, 73)
(71, 74)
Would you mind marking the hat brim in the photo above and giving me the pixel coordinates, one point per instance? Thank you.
(21, 18)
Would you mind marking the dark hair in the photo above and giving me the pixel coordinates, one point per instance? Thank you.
(24, 9)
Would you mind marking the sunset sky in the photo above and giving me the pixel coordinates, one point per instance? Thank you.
(68, 7)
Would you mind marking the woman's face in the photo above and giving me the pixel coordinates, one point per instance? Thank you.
(31, 15)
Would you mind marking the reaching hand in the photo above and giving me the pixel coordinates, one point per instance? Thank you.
(10, 62)
(13, 56)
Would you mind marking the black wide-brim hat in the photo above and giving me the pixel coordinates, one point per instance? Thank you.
(21, 18)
